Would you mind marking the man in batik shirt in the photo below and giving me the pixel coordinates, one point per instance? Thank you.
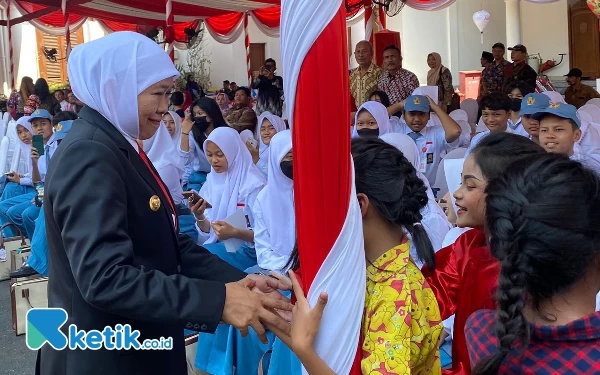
(363, 80)
(398, 83)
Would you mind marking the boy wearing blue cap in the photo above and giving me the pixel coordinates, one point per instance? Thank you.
(532, 104)
(560, 130)
(33, 217)
(431, 141)
(495, 113)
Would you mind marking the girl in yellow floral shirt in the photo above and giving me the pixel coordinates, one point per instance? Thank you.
(401, 323)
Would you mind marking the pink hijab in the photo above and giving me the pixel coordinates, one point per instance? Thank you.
(225, 105)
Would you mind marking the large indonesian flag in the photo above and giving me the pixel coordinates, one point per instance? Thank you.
(328, 220)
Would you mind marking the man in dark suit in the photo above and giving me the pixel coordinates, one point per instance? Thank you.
(115, 255)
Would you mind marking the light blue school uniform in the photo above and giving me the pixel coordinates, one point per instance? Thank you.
(38, 258)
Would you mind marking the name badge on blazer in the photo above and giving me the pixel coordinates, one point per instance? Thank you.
(154, 203)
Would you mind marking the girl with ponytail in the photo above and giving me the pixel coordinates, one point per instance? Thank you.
(542, 216)
(401, 324)
(466, 273)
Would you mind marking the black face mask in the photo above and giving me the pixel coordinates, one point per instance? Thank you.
(368, 133)
(287, 169)
(201, 123)
(516, 104)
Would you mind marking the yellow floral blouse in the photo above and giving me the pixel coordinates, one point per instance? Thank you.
(402, 324)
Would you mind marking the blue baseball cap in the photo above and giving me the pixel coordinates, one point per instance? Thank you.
(40, 113)
(534, 103)
(562, 110)
(417, 103)
(62, 128)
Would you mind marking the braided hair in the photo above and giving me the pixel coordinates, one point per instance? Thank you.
(542, 216)
(390, 181)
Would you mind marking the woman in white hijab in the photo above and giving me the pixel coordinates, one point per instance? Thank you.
(434, 220)
(274, 238)
(111, 223)
(371, 120)
(268, 126)
(232, 184)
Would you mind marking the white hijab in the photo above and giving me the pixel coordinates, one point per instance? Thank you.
(25, 148)
(161, 149)
(279, 125)
(276, 202)
(379, 113)
(225, 190)
(109, 73)
(555, 97)
(177, 136)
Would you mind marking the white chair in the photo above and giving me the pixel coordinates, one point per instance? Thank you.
(431, 91)
(15, 159)
(440, 177)
(592, 110)
(594, 101)
(4, 154)
(458, 153)
(555, 97)
(472, 108)
(481, 127)
(584, 116)
(462, 119)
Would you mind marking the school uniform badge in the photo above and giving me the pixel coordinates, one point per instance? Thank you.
(554, 105)
(154, 203)
(531, 100)
(417, 101)
(59, 127)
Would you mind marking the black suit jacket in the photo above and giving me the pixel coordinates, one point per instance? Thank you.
(113, 260)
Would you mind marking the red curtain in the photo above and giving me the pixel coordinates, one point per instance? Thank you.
(55, 19)
(269, 17)
(224, 24)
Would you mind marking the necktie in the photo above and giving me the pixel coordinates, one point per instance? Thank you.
(415, 136)
(47, 154)
(162, 187)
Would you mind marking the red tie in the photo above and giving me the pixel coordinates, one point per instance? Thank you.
(162, 187)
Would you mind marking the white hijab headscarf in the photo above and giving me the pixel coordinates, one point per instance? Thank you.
(276, 206)
(225, 190)
(25, 148)
(379, 113)
(263, 151)
(177, 136)
(555, 97)
(161, 149)
(109, 73)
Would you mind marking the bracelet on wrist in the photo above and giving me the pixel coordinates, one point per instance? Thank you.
(201, 220)
(185, 133)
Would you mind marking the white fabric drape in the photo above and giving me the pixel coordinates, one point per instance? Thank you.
(301, 24)
(431, 5)
(272, 32)
(238, 30)
(343, 277)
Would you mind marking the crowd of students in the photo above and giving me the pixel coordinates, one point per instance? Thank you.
(513, 290)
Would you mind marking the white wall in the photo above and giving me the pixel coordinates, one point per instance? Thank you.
(92, 31)
(545, 30)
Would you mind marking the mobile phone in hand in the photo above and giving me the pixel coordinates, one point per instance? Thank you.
(193, 197)
(38, 143)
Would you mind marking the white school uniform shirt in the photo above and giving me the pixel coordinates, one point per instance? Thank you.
(478, 137)
(586, 160)
(233, 189)
(432, 155)
(49, 150)
(434, 219)
(194, 160)
(275, 225)
(517, 128)
(590, 140)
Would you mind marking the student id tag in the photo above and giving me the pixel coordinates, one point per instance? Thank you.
(423, 162)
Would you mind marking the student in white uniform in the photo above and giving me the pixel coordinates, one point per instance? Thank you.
(371, 121)
(516, 91)
(530, 105)
(268, 126)
(205, 117)
(233, 184)
(431, 141)
(560, 129)
(495, 111)
(16, 183)
(434, 220)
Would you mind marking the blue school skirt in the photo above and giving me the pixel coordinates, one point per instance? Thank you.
(196, 180)
(12, 189)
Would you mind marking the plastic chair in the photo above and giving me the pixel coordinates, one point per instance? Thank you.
(458, 153)
(472, 108)
(555, 97)
(15, 159)
(431, 91)
(4, 145)
(594, 101)
(481, 127)
(592, 110)
(462, 119)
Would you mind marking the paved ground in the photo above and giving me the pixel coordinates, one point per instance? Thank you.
(15, 357)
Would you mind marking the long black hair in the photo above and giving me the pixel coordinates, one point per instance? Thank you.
(383, 96)
(494, 153)
(212, 110)
(41, 89)
(390, 181)
(542, 216)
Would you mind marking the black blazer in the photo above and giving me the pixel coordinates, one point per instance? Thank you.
(113, 260)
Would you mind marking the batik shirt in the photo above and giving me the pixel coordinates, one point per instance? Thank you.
(497, 76)
(362, 87)
(399, 85)
(402, 324)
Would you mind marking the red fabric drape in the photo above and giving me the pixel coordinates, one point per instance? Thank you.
(322, 169)
(55, 19)
(224, 24)
(269, 17)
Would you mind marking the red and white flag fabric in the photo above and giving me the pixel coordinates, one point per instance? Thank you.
(328, 219)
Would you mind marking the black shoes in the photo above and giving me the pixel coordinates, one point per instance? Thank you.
(24, 271)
